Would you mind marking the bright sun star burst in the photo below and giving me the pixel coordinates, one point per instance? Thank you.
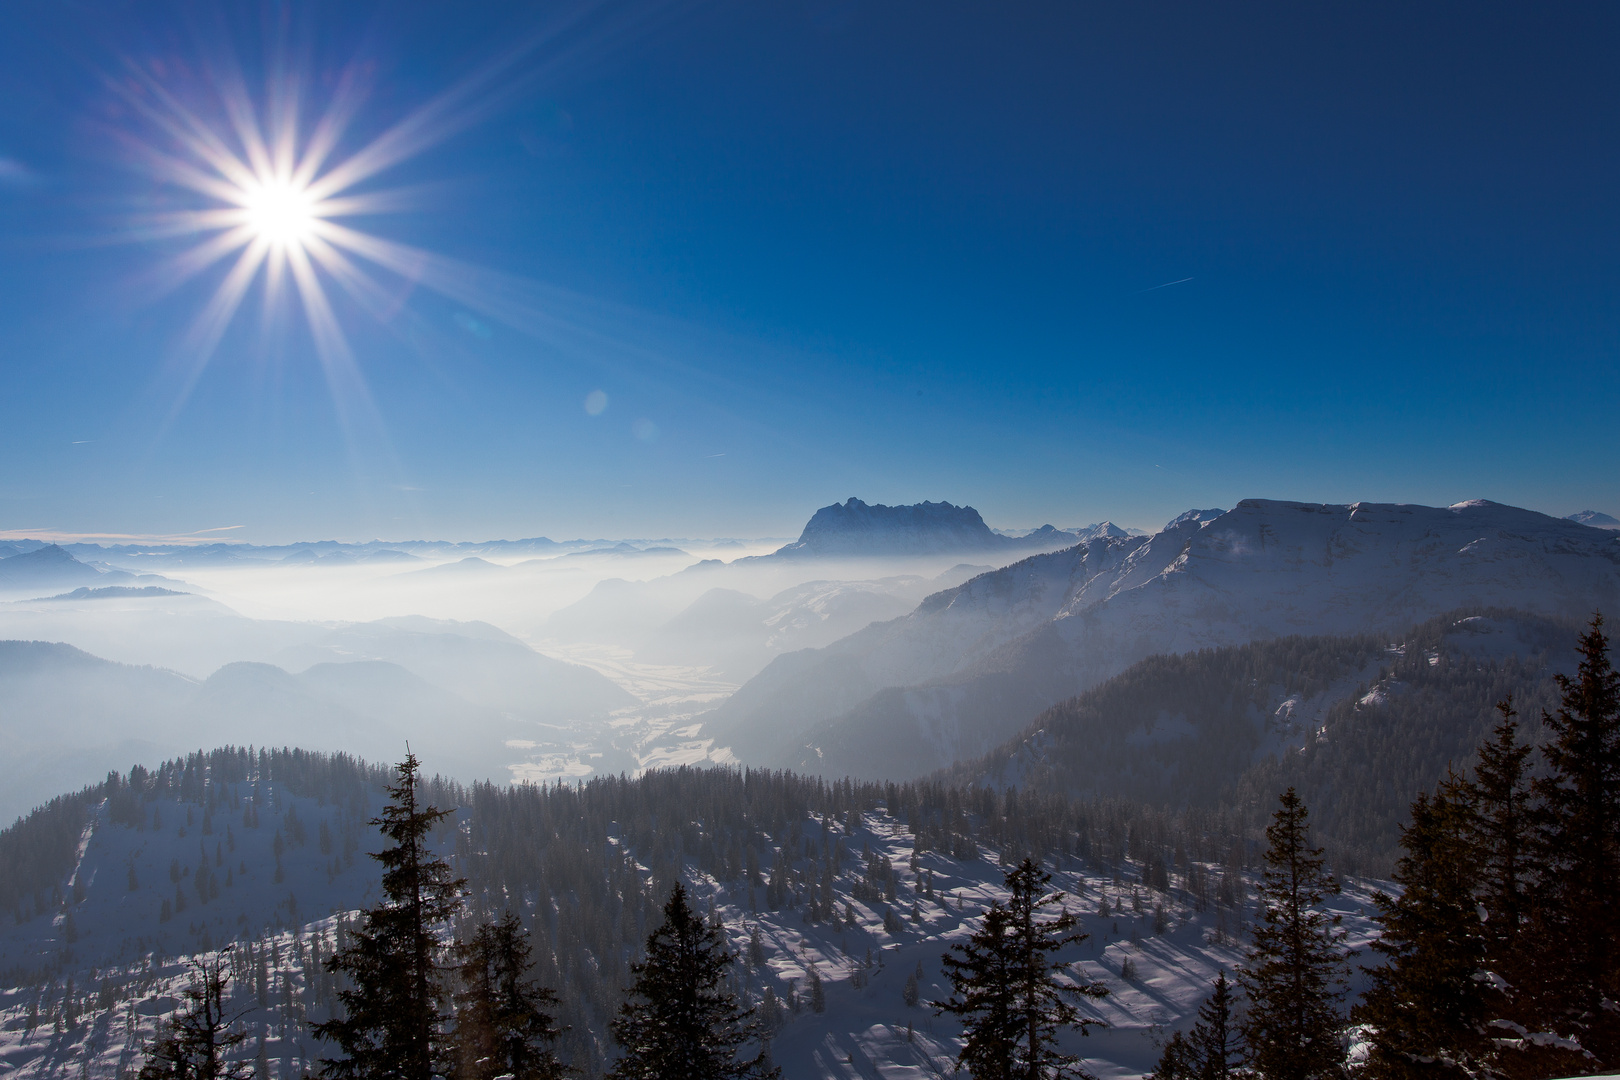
(270, 192)
(281, 212)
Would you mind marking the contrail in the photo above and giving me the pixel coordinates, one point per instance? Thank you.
(1166, 285)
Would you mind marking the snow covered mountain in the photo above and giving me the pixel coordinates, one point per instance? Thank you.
(982, 659)
(1595, 519)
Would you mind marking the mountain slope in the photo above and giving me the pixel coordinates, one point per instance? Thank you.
(975, 663)
(1358, 724)
(869, 884)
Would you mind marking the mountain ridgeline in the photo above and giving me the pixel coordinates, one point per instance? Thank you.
(973, 664)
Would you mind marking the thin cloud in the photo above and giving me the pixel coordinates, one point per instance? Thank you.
(57, 536)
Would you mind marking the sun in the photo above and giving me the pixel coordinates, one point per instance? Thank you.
(280, 212)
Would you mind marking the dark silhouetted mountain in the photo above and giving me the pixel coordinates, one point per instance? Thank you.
(854, 528)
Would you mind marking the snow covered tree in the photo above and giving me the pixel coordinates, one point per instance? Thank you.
(679, 1022)
(1210, 1051)
(1005, 987)
(1426, 1008)
(504, 1025)
(394, 1012)
(200, 1035)
(1295, 971)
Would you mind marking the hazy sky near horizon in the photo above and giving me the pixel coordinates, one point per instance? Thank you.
(698, 269)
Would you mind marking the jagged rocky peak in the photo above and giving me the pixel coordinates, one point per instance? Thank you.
(858, 528)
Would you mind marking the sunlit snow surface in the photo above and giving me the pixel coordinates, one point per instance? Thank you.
(865, 1032)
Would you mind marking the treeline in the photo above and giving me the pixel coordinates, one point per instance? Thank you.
(1501, 952)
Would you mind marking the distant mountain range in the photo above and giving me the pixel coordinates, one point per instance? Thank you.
(54, 567)
(456, 691)
(972, 664)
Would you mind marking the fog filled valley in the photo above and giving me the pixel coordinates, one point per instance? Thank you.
(839, 742)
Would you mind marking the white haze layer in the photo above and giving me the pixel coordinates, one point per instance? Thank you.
(491, 666)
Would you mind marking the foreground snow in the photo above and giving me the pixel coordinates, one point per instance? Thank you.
(866, 1031)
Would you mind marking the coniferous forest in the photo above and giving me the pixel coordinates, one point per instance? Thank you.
(550, 931)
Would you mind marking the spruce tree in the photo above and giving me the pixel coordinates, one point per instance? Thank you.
(504, 1025)
(1210, 1050)
(980, 972)
(1579, 919)
(200, 1035)
(1005, 988)
(1295, 971)
(394, 1005)
(1503, 840)
(679, 1022)
(1426, 1008)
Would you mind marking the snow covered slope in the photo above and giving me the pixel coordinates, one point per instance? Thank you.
(991, 653)
(92, 974)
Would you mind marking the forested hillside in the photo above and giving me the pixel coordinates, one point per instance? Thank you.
(842, 877)
(1358, 724)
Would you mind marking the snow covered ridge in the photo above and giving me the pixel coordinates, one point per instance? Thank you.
(1053, 625)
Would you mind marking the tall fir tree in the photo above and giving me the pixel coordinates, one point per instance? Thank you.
(1503, 840)
(679, 1022)
(504, 1024)
(394, 1005)
(199, 1037)
(1426, 1009)
(1578, 918)
(981, 977)
(1211, 1050)
(1005, 986)
(1294, 975)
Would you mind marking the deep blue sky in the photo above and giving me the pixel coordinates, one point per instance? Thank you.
(815, 250)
